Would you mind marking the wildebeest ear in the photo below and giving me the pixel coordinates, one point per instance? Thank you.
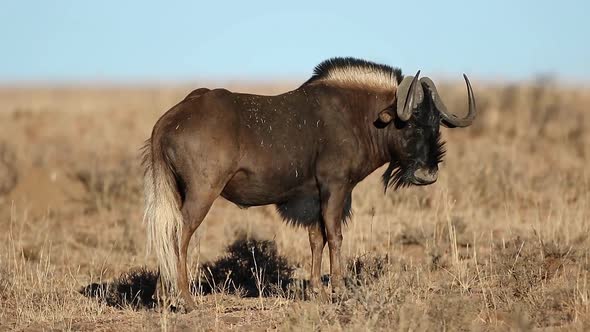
(385, 117)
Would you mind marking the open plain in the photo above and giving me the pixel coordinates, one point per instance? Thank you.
(501, 241)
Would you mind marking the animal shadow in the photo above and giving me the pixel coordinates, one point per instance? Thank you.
(134, 289)
(249, 268)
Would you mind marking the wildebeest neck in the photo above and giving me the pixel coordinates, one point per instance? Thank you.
(351, 112)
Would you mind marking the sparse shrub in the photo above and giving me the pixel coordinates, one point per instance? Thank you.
(249, 267)
(133, 289)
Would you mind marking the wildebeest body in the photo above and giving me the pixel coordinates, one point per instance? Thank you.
(304, 151)
(279, 144)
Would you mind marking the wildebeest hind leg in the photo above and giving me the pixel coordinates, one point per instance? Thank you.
(194, 210)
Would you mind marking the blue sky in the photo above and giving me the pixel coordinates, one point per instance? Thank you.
(189, 40)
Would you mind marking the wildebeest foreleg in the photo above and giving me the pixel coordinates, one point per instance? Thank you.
(317, 241)
(333, 199)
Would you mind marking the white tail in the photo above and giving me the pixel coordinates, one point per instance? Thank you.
(162, 216)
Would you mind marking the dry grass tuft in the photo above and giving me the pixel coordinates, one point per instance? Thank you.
(8, 169)
(366, 268)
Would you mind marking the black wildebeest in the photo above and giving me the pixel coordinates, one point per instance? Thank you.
(304, 150)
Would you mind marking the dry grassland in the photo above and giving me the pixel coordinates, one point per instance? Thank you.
(500, 242)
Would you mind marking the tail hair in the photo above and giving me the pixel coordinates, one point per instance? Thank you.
(162, 216)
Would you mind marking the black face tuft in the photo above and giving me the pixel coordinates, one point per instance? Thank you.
(440, 149)
(395, 176)
(419, 145)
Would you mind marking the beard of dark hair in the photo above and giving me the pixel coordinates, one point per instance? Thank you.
(398, 174)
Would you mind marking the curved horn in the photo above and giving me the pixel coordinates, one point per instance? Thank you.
(408, 96)
(451, 120)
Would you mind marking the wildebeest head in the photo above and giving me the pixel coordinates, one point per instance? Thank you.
(415, 117)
